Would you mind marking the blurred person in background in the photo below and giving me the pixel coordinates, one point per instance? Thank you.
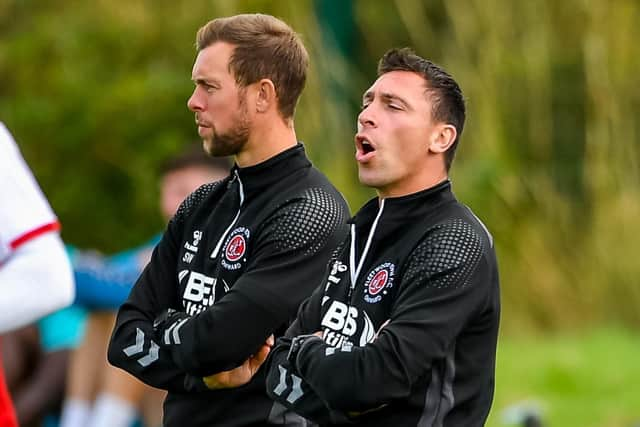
(403, 329)
(240, 255)
(97, 393)
(35, 272)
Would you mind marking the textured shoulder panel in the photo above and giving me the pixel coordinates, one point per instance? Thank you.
(193, 200)
(307, 223)
(447, 256)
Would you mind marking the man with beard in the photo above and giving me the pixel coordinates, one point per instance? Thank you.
(240, 254)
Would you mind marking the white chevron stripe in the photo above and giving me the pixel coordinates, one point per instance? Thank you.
(151, 357)
(176, 337)
(137, 347)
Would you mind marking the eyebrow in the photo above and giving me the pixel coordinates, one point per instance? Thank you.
(208, 82)
(385, 96)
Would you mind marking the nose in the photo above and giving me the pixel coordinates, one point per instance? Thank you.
(195, 102)
(365, 118)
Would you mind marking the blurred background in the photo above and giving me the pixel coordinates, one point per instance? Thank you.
(95, 93)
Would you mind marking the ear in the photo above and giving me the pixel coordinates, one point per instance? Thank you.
(266, 96)
(442, 138)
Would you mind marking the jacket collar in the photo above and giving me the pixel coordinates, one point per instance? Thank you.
(404, 208)
(273, 169)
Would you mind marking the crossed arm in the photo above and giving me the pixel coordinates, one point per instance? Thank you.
(178, 352)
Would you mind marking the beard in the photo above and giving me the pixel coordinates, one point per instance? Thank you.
(232, 141)
(229, 143)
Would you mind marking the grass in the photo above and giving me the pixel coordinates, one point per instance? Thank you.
(589, 379)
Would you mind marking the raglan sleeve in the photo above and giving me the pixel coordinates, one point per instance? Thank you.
(134, 346)
(445, 281)
(292, 248)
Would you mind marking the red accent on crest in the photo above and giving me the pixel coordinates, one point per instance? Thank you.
(235, 248)
(378, 282)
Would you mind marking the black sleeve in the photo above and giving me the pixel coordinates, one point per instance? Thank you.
(292, 249)
(308, 319)
(308, 311)
(283, 383)
(134, 346)
(444, 283)
(285, 386)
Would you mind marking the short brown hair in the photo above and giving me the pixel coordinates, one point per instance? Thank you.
(446, 96)
(265, 47)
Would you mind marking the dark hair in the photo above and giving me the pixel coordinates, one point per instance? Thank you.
(194, 156)
(265, 47)
(446, 96)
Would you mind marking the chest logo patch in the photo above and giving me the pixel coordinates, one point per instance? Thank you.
(379, 280)
(235, 249)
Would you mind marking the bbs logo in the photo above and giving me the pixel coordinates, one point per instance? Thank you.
(235, 250)
(378, 281)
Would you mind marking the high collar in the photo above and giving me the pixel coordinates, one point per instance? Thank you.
(273, 169)
(405, 208)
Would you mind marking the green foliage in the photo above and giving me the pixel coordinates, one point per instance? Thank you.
(96, 92)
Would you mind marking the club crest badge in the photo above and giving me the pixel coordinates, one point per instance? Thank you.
(235, 249)
(379, 280)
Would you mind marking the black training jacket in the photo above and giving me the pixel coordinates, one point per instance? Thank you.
(409, 312)
(239, 256)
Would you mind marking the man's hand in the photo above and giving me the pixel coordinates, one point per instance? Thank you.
(243, 373)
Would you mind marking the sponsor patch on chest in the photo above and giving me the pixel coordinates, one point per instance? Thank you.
(235, 249)
(378, 282)
(344, 326)
(199, 291)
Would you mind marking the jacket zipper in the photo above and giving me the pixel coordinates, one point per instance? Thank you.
(214, 254)
(353, 270)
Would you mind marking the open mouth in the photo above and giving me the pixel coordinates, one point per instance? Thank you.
(365, 145)
(367, 148)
